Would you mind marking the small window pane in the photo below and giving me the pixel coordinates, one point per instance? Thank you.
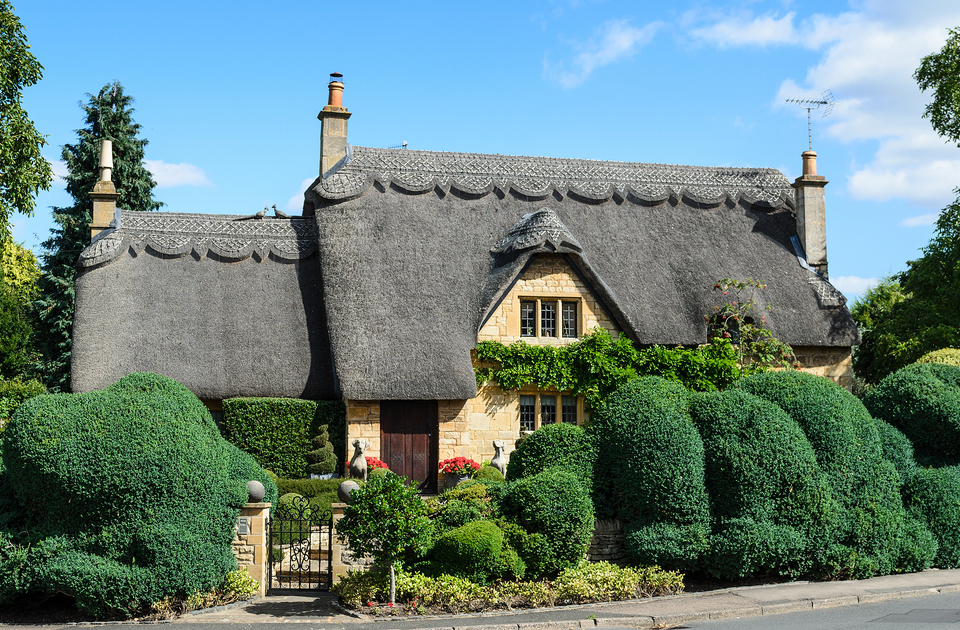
(528, 413)
(569, 319)
(528, 318)
(548, 319)
(569, 409)
(548, 410)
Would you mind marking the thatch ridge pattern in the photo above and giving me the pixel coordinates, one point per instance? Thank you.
(228, 237)
(479, 174)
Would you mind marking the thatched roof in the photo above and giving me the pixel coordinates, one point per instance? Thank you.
(409, 253)
(418, 247)
(226, 306)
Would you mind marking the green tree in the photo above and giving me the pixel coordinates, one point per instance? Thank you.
(108, 115)
(385, 518)
(23, 171)
(18, 287)
(941, 73)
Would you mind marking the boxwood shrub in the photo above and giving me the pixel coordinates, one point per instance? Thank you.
(650, 472)
(476, 551)
(560, 445)
(923, 401)
(121, 497)
(770, 500)
(279, 432)
(13, 394)
(897, 449)
(947, 356)
(870, 532)
(933, 497)
(556, 505)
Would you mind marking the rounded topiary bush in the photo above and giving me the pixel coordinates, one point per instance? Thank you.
(558, 445)
(554, 504)
(897, 449)
(488, 474)
(770, 501)
(923, 401)
(946, 356)
(129, 495)
(650, 472)
(475, 551)
(933, 496)
(870, 530)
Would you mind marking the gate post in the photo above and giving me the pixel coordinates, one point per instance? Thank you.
(337, 565)
(252, 549)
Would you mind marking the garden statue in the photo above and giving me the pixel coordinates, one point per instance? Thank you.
(358, 465)
(499, 461)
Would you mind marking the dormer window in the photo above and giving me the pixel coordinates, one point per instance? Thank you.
(549, 317)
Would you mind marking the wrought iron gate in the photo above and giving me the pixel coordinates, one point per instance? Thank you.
(301, 544)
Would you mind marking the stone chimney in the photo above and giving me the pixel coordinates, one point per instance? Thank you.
(333, 126)
(104, 194)
(811, 213)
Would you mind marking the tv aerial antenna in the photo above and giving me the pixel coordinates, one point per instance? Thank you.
(826, 99)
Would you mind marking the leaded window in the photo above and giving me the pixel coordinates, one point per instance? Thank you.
(569, 409)
(528, 318)
(548, 319)
(569, 319)
(528, 413)
(548, 410)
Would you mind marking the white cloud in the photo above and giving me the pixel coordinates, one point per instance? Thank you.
(923, 219)
(868, 59)
(60, 171)
(616, 40)
(852, 285)
(295, 203)
(182, 174)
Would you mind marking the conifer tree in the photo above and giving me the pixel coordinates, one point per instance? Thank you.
(108, 115)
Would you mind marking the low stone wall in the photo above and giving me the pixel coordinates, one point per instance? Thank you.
(606, 545)
(252, 549)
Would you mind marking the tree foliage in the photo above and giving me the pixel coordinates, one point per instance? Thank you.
(23, 171)
(108, 115)
(941, 73)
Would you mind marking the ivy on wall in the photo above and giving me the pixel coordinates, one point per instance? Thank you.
(596, 364)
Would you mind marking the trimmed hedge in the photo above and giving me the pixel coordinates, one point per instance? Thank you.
(554, 504)
(13, 394)
(558, 445)
(933, 497)
(650, 472)
(279, 432)
(923, 401)
(122, 496)
(871, 530)
(947, 356)
(769, 497)
(475, 551)
(897, 449)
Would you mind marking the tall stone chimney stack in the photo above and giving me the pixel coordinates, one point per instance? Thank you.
(104, 194)
(811, 213)
(333, 126)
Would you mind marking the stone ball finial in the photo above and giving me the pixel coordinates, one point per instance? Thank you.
(345, 489)
(255, 491)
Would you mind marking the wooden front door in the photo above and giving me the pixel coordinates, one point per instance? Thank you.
(409, 440)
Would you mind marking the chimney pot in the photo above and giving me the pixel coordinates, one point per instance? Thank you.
(335, 98)
(106, 160)
(809, 163)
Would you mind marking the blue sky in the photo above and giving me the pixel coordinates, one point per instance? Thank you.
(228, 93)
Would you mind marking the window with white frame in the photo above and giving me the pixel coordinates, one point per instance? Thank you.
(549, 318)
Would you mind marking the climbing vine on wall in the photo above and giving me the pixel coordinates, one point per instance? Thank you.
(596, 364)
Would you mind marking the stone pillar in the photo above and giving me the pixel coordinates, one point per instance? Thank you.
(337, 565)
(811, 213)
(252, 550)
(333, 126)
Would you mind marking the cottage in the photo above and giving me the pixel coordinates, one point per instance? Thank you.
(403, 260)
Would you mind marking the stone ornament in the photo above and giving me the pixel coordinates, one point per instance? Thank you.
(255, 491)
(358, 465)
(345, 489)
(499, 460)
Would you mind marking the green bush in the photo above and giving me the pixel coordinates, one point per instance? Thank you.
(897, 449)
(308, 487)
(605, 582)
(848, 448)
(923, 401)
(475, 551)
(650, 472)
(933, 496)
(13, 394)
(279, 432)
(946, 356)
(555, 505)
(557, 445)
(120, 497)
(767, 492)
(488, 474)
(321, 460)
